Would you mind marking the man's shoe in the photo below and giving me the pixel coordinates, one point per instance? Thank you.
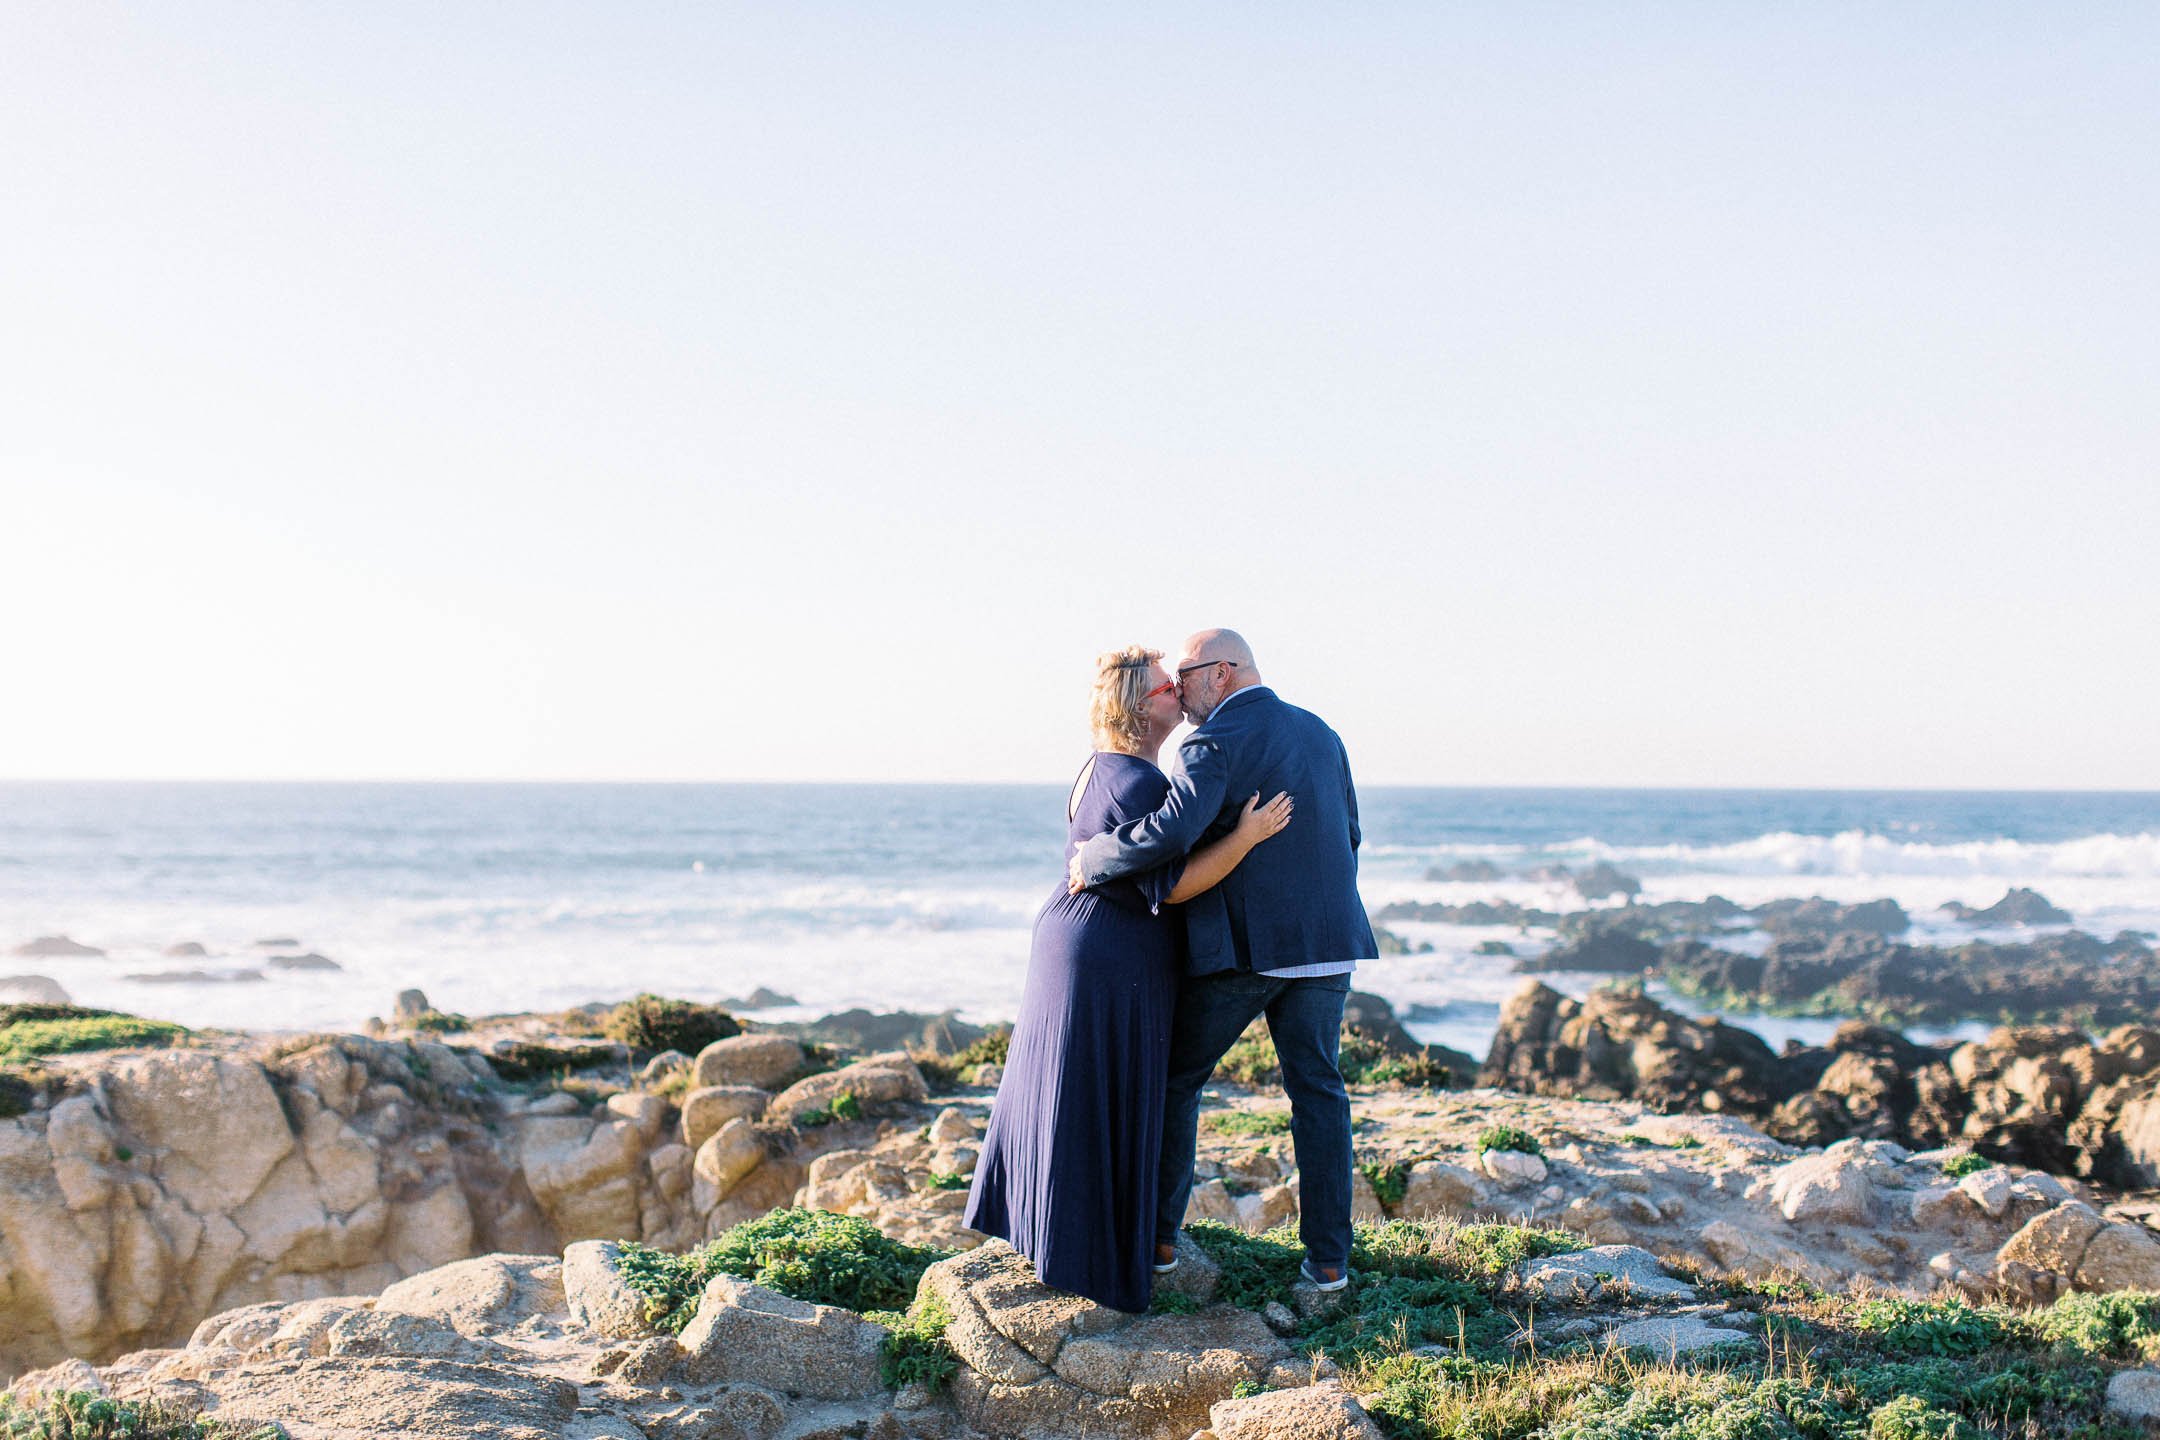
(1162, 1266)
(1318, 1278)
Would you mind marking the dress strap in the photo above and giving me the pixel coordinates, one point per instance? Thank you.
(1072, 801)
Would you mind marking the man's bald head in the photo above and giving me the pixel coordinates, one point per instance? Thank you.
(1213, 664)
(1220, 645)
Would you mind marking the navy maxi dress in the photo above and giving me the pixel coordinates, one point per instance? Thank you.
(1069, 1159)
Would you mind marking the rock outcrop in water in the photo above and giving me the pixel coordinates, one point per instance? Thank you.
(2018, 906)
(2070, 975)
(2055, 1099)
(57, 947)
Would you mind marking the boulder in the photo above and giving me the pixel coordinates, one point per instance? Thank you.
(1617, 1043)
(1668, 1335)
(662, 1069)
(2053, 1242)
(728, 1155)
(1832, 1188)
(1988, 1190)
(1586, 1275)
(32, 990)
(483, 1294)
(759, 999)
(1602, 881)
(399, 1397)
(746, 1334)
(309, 961)
(879, 1082)
(647, 1114)
(2134, 1394)
(1817, 916)
(706, 1109)
(1036, 1361)
(944, 1033)
(2120, 1257)
(1513, 1169)
(211, 1129)
(1436, 1190)
(67, 1377)
(584, 1177)
(762, 1061)
(57, 947)
(430, 1229)
(411, 1005)
(1265, 1209)
(1760, 1256)
(1310, 1412)
(597, 1295)
(1599, 948)
(2018, 906)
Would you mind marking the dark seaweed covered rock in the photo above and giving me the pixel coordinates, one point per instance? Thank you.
(2018, 906)
(2067, 976)
(1471, 871)
(1817, 916)
(1477, 912)
(1615, 948)
(1602, 881)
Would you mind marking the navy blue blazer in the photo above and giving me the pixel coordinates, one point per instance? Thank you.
(1293, 900)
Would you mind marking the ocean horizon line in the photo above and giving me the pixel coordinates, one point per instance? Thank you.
(1460, 787)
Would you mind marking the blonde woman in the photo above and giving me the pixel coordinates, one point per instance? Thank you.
(1068, 1167)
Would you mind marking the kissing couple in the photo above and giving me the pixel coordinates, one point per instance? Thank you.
(1190, 907)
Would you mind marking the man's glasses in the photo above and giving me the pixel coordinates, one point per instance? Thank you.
(1204, 664)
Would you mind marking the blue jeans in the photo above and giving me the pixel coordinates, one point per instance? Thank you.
(1305, 1018)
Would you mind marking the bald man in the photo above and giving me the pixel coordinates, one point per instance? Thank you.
(1279, 937)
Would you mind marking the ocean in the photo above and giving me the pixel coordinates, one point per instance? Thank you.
(503, 897)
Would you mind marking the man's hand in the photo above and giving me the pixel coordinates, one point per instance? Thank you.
(1075, 876)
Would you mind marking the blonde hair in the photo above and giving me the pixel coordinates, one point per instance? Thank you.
(1117, 710)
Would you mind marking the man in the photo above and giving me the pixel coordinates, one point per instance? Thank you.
(1279, 937)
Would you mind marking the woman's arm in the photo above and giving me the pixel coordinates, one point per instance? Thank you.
(1206, 867)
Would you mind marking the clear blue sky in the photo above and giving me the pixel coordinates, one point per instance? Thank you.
(1555, 394)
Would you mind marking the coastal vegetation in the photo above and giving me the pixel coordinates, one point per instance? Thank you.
(945, 1073)
(1247, 1123)
(650, 1024)
(1441, 1343)
(1363, 1057)
(79, 1415)
(812, 1255)
(28, 1031)
(915, 1351)
(1508, 1137)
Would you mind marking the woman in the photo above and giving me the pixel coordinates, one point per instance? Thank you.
(1069, 1160)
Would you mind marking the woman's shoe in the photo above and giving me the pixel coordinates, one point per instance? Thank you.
(1317, 1280)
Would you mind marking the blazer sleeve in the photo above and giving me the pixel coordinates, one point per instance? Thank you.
(1349, 790)
(1195, 799)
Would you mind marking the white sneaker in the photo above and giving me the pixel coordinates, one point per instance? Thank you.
(1305, 1269)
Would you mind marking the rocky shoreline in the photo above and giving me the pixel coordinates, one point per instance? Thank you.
(142, 1191)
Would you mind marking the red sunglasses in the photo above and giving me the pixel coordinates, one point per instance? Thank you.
(1162, 689)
